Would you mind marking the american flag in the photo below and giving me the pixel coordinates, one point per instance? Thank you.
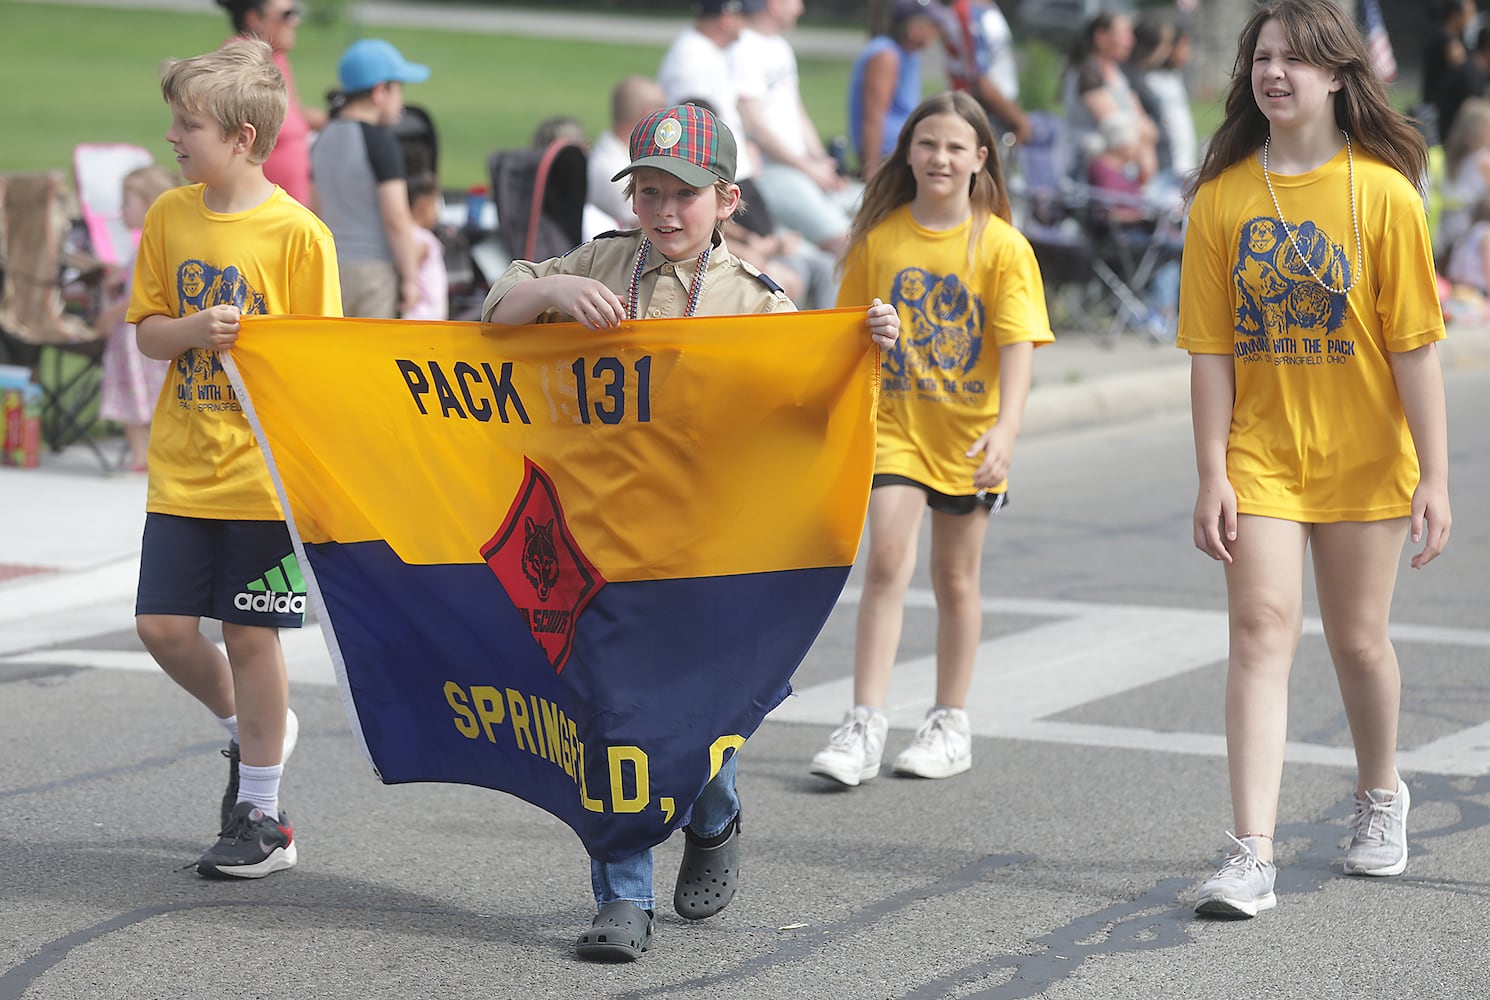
(1377, 42)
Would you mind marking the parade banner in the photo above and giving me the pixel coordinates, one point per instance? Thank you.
(575, 566)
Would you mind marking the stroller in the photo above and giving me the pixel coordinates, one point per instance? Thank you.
(540, 198)
(463, 243)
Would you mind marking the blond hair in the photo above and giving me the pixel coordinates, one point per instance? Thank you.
(238, 84)
(150, 182)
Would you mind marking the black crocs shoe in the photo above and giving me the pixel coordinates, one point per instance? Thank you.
(709, 874)
(620, 932)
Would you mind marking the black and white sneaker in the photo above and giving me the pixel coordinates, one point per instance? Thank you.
(251, 845)
(231, 752)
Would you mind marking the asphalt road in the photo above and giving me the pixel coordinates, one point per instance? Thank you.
(1062, 866)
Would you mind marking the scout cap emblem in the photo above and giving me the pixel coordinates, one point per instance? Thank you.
(668, 133)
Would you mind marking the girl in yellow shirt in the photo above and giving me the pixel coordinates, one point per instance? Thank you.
(933, 239)
(1309, 307)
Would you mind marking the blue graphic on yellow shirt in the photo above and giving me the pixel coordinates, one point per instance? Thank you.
(200, 285)
(942, 326)
(1283, 310)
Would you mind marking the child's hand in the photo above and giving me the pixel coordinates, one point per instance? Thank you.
(1215, 519)
(590, 302)
(884, 324)
(1430, 520)
(218, 329)
(996, 446)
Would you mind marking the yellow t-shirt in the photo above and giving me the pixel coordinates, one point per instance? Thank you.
(939, 384)
(276, 258)
(1318, 432)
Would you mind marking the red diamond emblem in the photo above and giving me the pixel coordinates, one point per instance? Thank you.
(547, 577)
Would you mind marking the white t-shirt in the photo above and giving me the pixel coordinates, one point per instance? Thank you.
(765, 69)
(608, 156)
(695, 67)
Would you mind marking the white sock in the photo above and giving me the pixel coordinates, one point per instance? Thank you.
(868, 710)
(260, 785)
(231, 725)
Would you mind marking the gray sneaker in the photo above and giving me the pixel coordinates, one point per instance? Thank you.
(1378, 833)
(1242, 888)
(855, 749)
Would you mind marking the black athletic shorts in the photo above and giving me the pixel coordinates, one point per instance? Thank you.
(243, 572)
(946, 502)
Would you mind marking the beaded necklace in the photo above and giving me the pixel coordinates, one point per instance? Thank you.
(695, 288)
(1354, 221)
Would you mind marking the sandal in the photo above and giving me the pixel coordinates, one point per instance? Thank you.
(708, 876)
(620, 932)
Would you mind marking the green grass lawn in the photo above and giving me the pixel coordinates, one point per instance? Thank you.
(79, 74)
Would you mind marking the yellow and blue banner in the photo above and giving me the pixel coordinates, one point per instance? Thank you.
(575, 566)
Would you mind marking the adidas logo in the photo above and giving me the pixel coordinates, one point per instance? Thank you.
(281, 590)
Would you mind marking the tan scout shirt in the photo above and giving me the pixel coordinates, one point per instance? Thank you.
(732, 287)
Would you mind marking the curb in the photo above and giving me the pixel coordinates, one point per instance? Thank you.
(1133, 395)
(1108, 399)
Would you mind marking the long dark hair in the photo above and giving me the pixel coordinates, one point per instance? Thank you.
(1322, 35)
(893, 184)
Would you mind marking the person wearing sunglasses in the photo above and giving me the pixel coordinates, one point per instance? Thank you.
(275, 22)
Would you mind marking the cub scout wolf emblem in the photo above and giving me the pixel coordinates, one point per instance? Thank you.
(540, 559)
(540, 565)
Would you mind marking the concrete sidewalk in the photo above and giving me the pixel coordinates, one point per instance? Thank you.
(68, 515)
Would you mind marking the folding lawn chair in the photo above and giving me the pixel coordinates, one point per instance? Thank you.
(49, 290)
(1095, 270)
(98, 172)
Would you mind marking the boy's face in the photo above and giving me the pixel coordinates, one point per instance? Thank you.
(389, 98)
(678, 218)
(202, 151)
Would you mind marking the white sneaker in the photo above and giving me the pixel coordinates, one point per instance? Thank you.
(292, 735)
(942, 747)
(854, 750)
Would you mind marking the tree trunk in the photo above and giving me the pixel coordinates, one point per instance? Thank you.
(1218, 25)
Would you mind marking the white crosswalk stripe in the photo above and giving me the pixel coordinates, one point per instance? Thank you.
(1081, 654)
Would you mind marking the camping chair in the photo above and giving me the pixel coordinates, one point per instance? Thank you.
(540, 199)
(1095, 270)
(98, 172)
(49, 290)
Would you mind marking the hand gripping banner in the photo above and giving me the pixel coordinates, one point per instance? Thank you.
(575, 566)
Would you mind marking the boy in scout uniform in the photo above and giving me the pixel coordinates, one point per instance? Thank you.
(681, 182)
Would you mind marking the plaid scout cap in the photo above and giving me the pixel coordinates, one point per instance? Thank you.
(686, 141)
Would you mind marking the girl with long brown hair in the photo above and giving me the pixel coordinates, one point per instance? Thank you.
(1309, 307)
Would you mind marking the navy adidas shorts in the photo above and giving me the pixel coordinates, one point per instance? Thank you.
(946, 503)
(243, 572)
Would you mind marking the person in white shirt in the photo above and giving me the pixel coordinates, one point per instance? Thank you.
(980, 60)
(798, 179)
(695, 66)
(633, 99)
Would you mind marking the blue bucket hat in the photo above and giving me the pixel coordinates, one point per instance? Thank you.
(371, 61)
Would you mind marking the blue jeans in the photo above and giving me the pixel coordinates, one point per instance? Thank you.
(631, 879)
